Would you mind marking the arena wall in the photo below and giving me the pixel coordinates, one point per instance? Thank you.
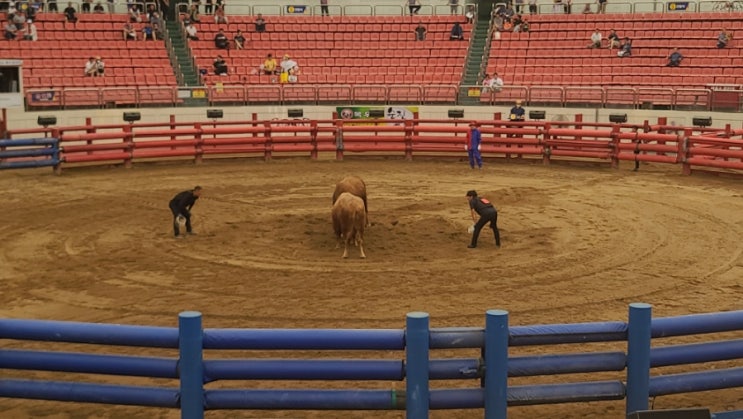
(19, 119)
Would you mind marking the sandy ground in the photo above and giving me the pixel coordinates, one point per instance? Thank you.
(579, 244)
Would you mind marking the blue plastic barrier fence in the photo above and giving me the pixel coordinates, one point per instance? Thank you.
(491, 370)
(29, 153)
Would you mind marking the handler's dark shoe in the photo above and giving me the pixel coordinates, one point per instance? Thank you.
(471, 246)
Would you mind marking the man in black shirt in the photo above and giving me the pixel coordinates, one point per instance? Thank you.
(487, 213)
(221, 41)
(260, 23)
(181, 206)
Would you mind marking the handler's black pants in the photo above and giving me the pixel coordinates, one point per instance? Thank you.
(488, 216)
(176, 212)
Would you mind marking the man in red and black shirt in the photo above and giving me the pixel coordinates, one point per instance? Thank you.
(487, 213)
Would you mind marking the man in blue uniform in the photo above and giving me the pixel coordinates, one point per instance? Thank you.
(487, 213)
(181, 205)
(474, 137)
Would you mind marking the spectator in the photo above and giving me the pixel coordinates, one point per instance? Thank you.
(420, 32)
(10, 30)
(154, 19)
(519, 23)
(517, 112)
(675, 58)
(625, 50)
(486, 81)
(532, 7)
(191, 32)
(260, 24)
(519, 4)
(288, 64)
(524, 26)
(129, 33)
(602, 6)
(221, 4)
(221, 41)
(220, 66)
(52, 6)
(568, 5)
(723, 38)
(492, 84)
(239, 40)
(134, 15)
(90, 68)
(33, 9)
(496, 83)
(587, 9)
(193, 14)
(98, 8)
(85, 7)
(470, 15)
(100, 67)
(69, 13)
(498, 23)
(219, 16)
(19, 19)
(157, 30)
(613, 39)
(457, 33)
(292, 76)
(507, 12)
(454, 6)
(414, 6)
(31, 33)
(148, 33)
(324, 8)
(558, 7)
(269, 65)
(595, 39)
(209, 7)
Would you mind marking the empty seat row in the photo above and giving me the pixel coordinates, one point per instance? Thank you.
(346, 29)
(339, 20)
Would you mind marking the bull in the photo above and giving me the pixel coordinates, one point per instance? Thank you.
(355, 186)
(349, 220)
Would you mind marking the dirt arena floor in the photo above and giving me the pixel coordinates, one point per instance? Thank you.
(579, 244)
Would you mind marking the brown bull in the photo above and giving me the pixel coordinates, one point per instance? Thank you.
(355, 186)
(349, 220)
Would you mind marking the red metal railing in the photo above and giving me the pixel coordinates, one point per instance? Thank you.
(719, 149)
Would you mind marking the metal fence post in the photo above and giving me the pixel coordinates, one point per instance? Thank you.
(416, 361)
(496, 364)
(638, 357)
(190, 366)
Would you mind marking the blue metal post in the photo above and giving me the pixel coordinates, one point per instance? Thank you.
(416, 361)
(638, 357)
(191, 367)
(496, 364)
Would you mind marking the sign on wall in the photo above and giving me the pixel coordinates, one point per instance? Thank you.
(301, 9)
(678, 6)
(390, 112)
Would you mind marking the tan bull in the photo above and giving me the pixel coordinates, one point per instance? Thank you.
(349, 220)
(355, 186)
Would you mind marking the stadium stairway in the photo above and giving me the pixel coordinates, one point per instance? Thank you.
(479, 48)
(185, 63)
